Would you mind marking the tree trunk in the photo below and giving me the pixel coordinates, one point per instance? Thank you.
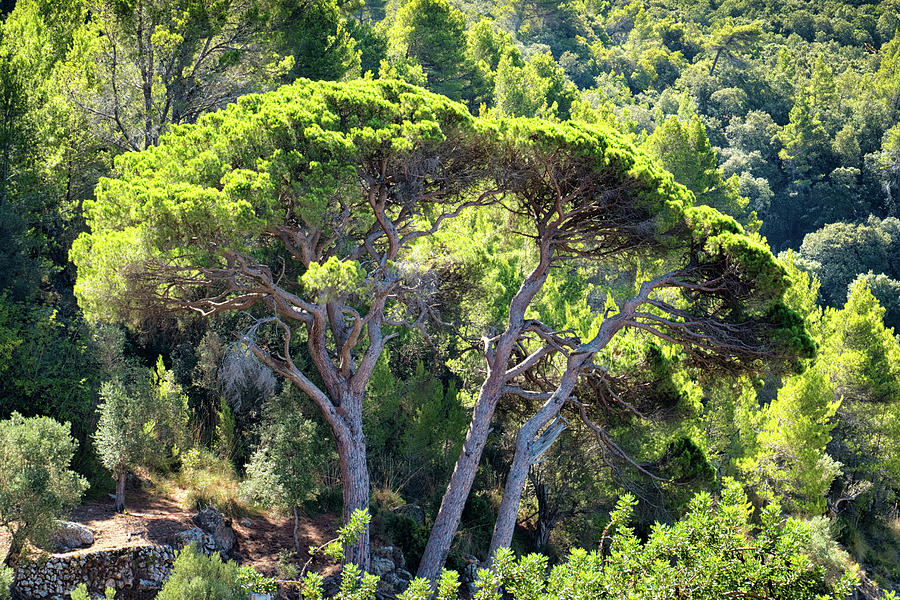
(715, 61)
(297, 548)
(15, 548)
(512, 494)
(447, 521)
(120, 492)
(355, 476)
(544, 519)
(529, 448)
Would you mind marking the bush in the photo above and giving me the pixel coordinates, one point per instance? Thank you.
(211, 481)
(81, 593)
(6, 581)
(713, 553)
(36, 484)
(196, 576)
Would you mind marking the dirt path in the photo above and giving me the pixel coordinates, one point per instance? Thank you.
(154, 518)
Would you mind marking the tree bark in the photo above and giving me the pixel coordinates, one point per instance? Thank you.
(296, 532)
(355, 476)
(450, 512)
(120, 491)
(528, 447)
(447, 521)
(15, 548)
(525, 457)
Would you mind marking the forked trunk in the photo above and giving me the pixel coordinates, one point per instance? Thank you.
(120, 492)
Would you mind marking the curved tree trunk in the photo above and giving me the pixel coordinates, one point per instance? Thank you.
(447, 521)
(16, 545)
(498, 357)
(120, 491)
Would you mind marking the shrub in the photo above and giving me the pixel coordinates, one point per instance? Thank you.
(196, 576)
(6, 581)
(81, 593)
(36, 484)
(713, 553)
(211, 481)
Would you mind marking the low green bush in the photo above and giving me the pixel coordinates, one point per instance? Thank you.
(196, 576)
(6, 581)
(713, 553)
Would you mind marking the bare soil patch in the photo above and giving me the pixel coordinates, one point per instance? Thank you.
(153, 517)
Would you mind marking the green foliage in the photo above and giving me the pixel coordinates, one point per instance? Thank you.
(537, 88)
(36, 485)
(839, 252)
(714, 551)
(211, 481)
(684, 150)
(432, 34)
(6, 581)
(265, 161)
(143, 416)
(196, 576)
(81, 593)
(282, 471)
(790, 462)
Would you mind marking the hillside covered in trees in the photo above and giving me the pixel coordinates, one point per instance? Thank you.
(580, 279)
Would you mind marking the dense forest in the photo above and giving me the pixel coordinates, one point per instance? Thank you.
(580, 279)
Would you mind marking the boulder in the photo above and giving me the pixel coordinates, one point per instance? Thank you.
(394, 553)
(218, 528)
(195, 535)
(381, 566)
(70, 536)
(208, 519)
(413, 511)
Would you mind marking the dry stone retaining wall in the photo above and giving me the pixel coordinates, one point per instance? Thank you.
(138, 568)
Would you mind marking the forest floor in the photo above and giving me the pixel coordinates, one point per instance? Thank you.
(152, 517)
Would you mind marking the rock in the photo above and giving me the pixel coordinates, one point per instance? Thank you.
(208, 519)
(224, 539)
(381, 566)
(247, 523)
(391, 585)
(413, 511)
(72, 535)
(258, 596)
(195, 535)
(218, 527)
(148, 584)
(392, 552)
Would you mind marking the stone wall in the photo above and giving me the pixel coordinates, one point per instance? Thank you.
(137, 569)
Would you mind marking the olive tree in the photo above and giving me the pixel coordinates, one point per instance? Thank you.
(142, 414)
(299, 206)
(36, 484)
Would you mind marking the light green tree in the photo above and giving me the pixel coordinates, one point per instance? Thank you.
(538, 88)
(683, 148)
(790, 462)
(432, 33)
